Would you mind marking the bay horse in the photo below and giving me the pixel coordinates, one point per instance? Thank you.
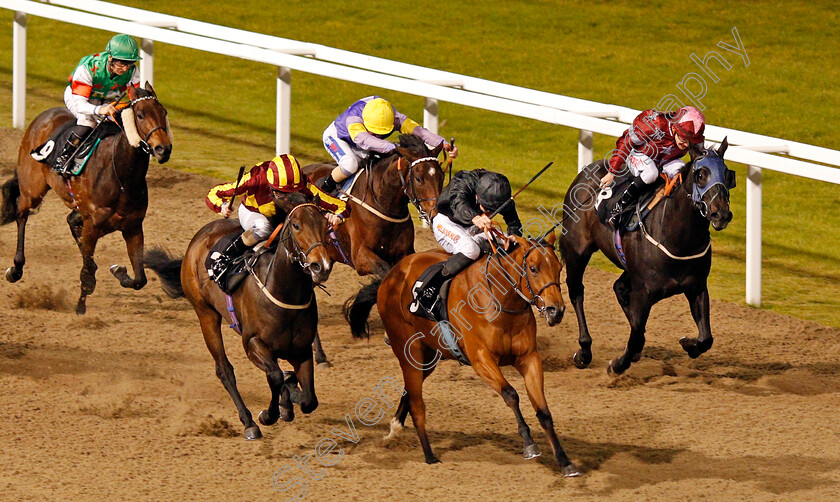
(275, 306)
(109, 195)
(498, 329)
(669, 254)
(379, 231)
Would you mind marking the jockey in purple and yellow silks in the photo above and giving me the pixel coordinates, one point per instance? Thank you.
(362, 128)
(280, 175)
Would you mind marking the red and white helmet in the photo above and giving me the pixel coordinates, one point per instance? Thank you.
(691, 124)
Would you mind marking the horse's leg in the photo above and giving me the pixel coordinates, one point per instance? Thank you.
(320, 356)
(75, 222)
(575, 266)
(367, 262)
(413, 378)
(637, 312)
(134, 244)
(305, 372)
(531, 369)
(15, 272)
(263, 359)
(398, 420)
(699, 302)
(90, 236)
(621, 287)
(211, 328)
(488, 369)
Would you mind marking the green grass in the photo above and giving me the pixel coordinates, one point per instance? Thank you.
(222, 109)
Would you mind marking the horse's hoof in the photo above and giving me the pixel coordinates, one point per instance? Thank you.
(252, 433)
(287, 414)
(81, 308)
(396, 427)
(432, 460)
(611, 370)
(571, 471)
(582, 361)
(689, 345)
(387, 341)
(532, 451)
(12, 274)
(265, 418)
(324, 365)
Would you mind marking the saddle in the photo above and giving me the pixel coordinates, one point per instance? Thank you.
(629, 219)
(47, 152)
(239, 268)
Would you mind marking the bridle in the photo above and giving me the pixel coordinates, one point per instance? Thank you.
(536, 299)
(296, 252)
(717, 176)
(409, 188)
(144, 143)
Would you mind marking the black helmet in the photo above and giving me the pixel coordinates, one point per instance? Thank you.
(492, 190)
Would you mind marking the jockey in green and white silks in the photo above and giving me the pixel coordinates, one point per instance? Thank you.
(362, 128)
(96, 83)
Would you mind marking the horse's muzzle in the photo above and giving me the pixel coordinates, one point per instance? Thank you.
(162, 153)
(720, 219)
(554, 315)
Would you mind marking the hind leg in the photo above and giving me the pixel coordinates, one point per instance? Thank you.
(320, 356)
(637, 312)
(211, 328)
(305, 373)
(699, 303)
(25, 206)
(134, 244)
(575, 266)
(75, 222)
(263, 359)
(90, 236)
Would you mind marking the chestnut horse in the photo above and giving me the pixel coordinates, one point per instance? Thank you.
(670, 253)
(109, 195)
(499, 329)
(275, 305)
(379, 231)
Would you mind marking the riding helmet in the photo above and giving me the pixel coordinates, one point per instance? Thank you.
(123, 47)
(283, 174)
(492, 190)
(378, 116)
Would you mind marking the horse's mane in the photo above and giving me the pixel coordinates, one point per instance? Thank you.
(414, 143)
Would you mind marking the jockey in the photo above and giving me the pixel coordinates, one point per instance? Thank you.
(361, 129)
(468, 200)
(260, 185)
(95, 85)
(656, 141)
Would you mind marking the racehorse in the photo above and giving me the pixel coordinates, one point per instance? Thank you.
(109, 195)
(669, 255)
(275, 307)
(498, 329)
(379, 231)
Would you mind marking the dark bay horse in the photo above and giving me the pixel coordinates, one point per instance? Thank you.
(275, 305)
(379, 231)
(497, 329)
(109, 195)
(670, 254)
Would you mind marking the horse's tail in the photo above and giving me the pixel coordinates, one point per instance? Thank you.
(168, 269)
(9, 193)
(357, 308)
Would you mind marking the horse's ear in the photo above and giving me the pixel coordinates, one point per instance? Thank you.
(149, 88)
(437, 150)
(723, 146)
(695, 150)
(551, 238)
(132, 92)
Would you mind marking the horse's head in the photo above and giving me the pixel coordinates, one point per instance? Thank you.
(710, 181)
(542, 276)
(146, 124)
(305, 235)
(421, 174)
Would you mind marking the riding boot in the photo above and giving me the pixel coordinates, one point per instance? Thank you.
(631, 193)
(63, 162)
(327, 184)
(235, 249)
(431, 290)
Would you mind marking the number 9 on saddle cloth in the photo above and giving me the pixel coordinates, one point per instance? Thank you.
(48, 152)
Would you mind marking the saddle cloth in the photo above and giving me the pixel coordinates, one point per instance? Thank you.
(232, 278)
(630, 217)
(47, 152)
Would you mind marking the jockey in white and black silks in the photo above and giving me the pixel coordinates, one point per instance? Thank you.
(94, 86)
(280, 175)
(654, 142)
(468, 200)
(362, 128)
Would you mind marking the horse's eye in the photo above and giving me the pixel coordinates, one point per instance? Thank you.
(417, 178)
(296, 226)
(533, 269)
(141, 116)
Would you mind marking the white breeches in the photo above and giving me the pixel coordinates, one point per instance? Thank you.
(454, 238)
(644, 167)
(348, 158)
(257, 223)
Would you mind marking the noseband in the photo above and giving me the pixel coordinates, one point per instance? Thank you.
(410, 190)
(144, 143)
(296, 252)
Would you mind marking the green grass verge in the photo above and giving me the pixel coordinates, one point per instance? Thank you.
(222, 109)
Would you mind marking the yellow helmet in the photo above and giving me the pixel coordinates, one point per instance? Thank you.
(378, 116)
(284, 174)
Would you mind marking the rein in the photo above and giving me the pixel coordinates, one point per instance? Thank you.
(412, 195)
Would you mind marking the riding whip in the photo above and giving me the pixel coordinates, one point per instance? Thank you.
(449, 159)
(235, 187)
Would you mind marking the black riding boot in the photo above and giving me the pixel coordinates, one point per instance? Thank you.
(328, 185)
(63, 163)
(631, 193)
(430, 291)
(235, 249)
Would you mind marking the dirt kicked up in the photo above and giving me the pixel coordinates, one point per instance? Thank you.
(124, 402)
